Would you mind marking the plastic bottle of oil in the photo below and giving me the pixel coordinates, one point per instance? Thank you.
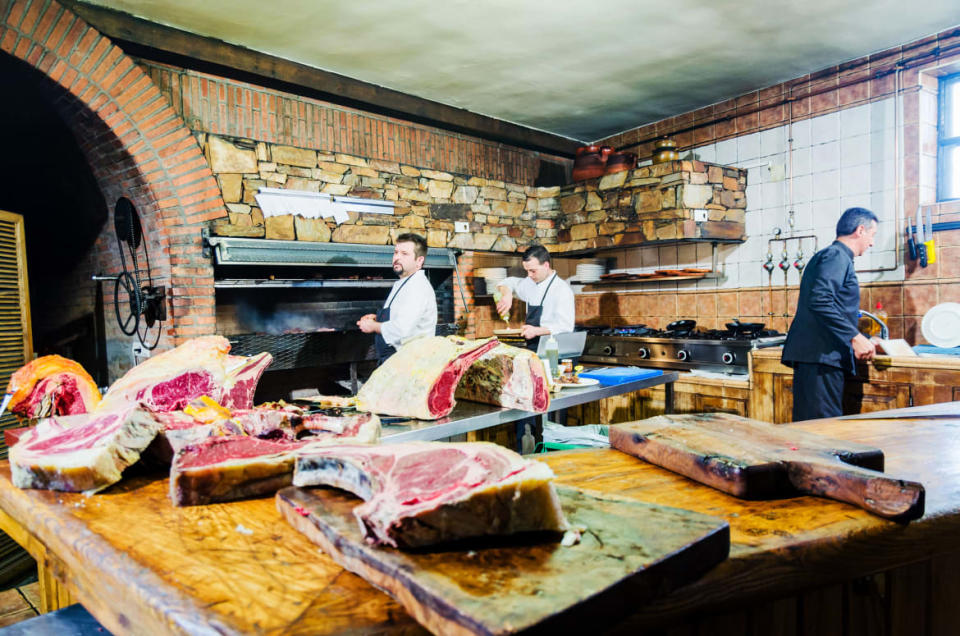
(868, 326)
(880, 313)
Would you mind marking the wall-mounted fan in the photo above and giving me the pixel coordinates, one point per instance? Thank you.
(140, 307)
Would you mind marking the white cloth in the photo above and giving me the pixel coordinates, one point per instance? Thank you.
(413, 312)
(558, 306)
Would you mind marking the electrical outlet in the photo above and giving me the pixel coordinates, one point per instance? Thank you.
(461, 226)
(700, 216)
(776, 172)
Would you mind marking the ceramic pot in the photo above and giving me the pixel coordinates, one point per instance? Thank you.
(590, 162)
(620, 161)
(665, 150)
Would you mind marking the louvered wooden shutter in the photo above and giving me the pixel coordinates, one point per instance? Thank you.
(16, 340)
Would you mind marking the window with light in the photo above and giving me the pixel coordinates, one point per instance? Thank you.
(948, 150)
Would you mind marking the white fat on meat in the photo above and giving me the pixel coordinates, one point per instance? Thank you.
(422, 493)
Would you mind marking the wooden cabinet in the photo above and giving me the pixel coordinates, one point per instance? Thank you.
(690, 395)
(885, 383)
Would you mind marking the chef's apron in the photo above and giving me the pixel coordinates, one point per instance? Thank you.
(534, 315)
(384, 350)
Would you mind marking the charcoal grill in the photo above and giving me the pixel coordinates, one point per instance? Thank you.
(299, 350)
(334, 282)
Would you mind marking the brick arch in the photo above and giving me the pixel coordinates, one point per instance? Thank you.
(136, 146)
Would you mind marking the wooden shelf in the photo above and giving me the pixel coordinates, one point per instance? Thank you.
(652, 279)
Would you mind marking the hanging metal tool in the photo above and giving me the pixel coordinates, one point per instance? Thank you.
(928, 234)
(140, 307)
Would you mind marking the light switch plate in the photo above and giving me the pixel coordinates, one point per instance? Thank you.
(461, 226)
(700, 216)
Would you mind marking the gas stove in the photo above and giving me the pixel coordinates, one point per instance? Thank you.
(718, 350)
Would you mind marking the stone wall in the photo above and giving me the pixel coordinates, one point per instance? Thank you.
(502, 216)
(653, 203)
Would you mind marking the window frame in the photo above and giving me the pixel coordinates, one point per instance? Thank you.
(945, 106)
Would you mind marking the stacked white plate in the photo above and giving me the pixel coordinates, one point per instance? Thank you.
(493, 276)
(589, 272)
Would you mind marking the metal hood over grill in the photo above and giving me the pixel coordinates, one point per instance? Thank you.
(248, 251)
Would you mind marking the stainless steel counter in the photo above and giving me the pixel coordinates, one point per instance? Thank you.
(472, 416)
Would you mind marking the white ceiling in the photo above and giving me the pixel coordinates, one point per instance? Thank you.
(584, 70)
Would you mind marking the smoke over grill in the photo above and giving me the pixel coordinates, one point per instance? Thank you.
(254, 319)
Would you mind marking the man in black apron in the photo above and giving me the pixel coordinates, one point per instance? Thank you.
(534, 316)
(550, 310)
(550, 305)
(410, 310)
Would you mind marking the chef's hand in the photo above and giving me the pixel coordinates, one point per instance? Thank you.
(863, 349)
(529, 331)
(369, 324)
(506, 300)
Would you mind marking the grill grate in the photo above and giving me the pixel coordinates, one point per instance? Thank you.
(300, 350)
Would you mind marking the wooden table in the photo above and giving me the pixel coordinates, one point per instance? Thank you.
(796, 565)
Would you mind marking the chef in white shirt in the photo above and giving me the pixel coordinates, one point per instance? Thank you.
(410, 310)
(550, 306)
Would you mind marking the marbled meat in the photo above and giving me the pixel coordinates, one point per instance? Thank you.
(421, 493)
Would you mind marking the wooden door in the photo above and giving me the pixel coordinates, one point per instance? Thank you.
(16, 349)
(16, 339)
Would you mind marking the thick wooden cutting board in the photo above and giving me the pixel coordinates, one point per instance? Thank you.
(756, 460)
(630, 553)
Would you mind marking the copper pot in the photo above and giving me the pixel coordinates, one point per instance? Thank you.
(590, 162)
(665, 150)
(620, 161)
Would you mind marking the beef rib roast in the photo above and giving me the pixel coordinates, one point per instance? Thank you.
(507, 376)
(422, 493)
(201, 366)
(81, 453)
(420, 379)
(51, 385)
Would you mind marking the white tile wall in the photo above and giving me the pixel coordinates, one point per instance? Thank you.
(825, 156)
(824, 129)
(855, 121)
(840, 160)
(855, 151)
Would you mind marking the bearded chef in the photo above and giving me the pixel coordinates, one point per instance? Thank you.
(410, 310)
(550, 306)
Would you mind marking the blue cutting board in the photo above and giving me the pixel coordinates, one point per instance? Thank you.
(618, 375)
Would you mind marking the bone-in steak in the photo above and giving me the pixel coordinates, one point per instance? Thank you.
(81, 452)
(422, 493)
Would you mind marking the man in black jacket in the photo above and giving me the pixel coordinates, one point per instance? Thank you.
(824, 342)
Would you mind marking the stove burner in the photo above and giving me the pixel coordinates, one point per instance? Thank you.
(643, 331)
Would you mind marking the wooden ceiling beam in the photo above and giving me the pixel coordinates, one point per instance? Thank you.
(147, 37)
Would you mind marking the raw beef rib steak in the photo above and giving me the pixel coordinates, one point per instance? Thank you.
(81, 453)
(422, 493)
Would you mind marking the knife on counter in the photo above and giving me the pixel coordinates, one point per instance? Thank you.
(921, 246)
